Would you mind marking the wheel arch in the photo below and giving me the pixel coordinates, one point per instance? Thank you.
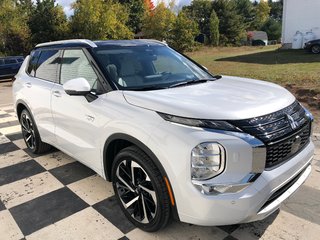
(110, 151)
(20, 105)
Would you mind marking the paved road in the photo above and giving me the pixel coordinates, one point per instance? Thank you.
(53, 197)
(5, 92)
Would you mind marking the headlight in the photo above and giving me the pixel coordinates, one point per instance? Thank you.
(207, 160)
(219, 125)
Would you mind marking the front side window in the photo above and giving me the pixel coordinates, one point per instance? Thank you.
(140, 67)
(47, 66)
(75, 64)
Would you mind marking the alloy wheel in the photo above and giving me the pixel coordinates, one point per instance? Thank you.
(316, 49)
(28, 131)
(136, 191)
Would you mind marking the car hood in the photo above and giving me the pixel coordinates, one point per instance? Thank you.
(229, 98)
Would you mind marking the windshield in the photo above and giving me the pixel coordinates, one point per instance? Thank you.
(143, 67)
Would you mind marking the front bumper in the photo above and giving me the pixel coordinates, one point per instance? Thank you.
(249, 204)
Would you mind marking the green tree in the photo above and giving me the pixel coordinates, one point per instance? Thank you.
(26, 7)
(231, 26)
(200, 11)
(183, 33)
(99, 19)
(14, 32)
(137, 9)
(246, 10)
(214, 29)
(276, 10)
(47, 22)
(159, 23)
(272, 28)
(262, 14)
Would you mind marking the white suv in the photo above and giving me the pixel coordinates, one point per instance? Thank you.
(175, 140)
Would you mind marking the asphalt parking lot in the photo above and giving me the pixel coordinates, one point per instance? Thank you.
(54, 197)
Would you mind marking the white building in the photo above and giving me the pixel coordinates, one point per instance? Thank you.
(300, 15)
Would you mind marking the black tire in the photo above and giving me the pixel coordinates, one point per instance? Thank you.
(315, 49)
(31, 134)
(150, 205)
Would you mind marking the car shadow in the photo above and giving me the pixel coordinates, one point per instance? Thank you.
(255, 230)
(278, 56)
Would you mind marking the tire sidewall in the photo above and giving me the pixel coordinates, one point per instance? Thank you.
(37, 135)
(156, 221)
(312, 49)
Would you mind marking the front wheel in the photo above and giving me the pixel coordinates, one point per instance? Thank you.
(140, 190)
(315, 49)
(31, 135)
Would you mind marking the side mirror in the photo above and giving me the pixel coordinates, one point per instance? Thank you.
(77, 87)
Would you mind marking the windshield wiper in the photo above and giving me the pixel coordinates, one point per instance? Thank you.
(147, 88)
(195, 81)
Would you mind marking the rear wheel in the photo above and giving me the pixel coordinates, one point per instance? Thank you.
(315, 49)
(140, 190)
(31, 135)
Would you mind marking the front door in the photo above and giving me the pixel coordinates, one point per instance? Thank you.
(76, 126)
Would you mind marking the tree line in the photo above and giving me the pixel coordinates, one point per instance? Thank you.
(25, 23)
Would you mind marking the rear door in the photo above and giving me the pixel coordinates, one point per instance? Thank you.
(12, 66)
(43, 73)
(6, 67)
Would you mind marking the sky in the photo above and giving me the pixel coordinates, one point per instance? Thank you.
(66, 4)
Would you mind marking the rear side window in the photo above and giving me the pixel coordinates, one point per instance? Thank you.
(34, 56)
(1, 62)
(20, 59)
(10, 61)
(47, 66)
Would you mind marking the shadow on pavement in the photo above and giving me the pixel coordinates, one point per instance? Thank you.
(256, 229)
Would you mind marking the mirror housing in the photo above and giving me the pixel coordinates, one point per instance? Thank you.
(77, 87)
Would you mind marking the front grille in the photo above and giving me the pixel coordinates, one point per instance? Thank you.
(285, 132)
(281, 151)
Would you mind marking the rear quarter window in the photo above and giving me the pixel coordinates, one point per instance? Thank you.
(32, 66)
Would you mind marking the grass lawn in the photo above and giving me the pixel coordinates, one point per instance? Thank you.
(284, 67)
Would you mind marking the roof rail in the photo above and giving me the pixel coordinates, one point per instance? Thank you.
(155, 41)
(85, 41)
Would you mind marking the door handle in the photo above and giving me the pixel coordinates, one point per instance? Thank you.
(90, 118)
(56, 93)
(28, 84)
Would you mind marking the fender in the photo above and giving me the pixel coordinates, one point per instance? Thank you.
(146, 150)
(25, 105)
(142, 146)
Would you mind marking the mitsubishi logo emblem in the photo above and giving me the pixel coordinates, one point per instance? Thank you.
(296, 144)
(292, 122)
